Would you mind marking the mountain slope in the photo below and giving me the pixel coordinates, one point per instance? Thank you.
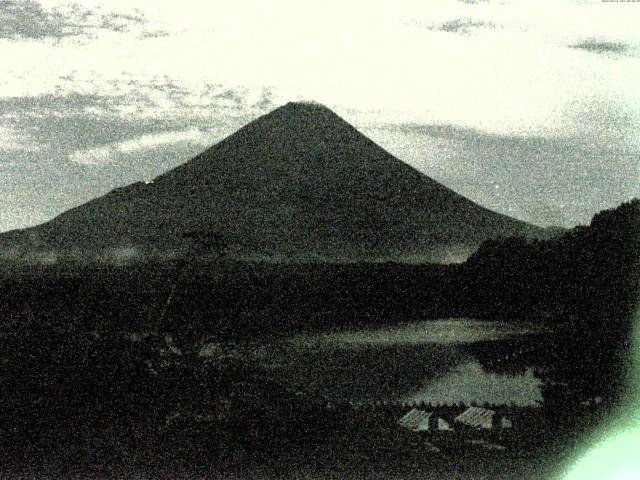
(299, 184)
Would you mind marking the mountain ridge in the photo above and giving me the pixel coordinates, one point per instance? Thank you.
(297, 183)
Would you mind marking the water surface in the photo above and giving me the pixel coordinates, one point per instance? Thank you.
(442, 361)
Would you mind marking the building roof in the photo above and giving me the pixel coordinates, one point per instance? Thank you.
(476, 417)
(416, 420)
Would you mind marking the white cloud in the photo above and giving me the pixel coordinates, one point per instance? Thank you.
(145, 142)
(12, 140)
(93, 156)
(110, 154)
(519, 78)
(8, 138)
(34, 20)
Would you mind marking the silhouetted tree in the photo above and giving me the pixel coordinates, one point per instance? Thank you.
(587, 281)
(199, 243)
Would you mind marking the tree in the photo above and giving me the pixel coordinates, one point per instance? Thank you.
(199, 243)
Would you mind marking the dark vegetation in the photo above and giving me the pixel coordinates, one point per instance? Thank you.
(586, 282)
(79, 389)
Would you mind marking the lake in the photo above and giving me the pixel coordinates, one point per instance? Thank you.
(439, 361)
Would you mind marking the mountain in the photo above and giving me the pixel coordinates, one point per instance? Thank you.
(296, 184)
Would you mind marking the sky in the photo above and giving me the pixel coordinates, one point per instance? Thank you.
(530, 108)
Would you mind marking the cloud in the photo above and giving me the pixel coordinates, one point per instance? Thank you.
(113, 128)
(111, 111)
(14, 142)
(121, 22)
(110, 154)
(601, 46)
(93, 156)
(560, 180)
(144, 142)
(58, 151)
(457, 25)
(155, 34)
(28, 19)
(462, 25)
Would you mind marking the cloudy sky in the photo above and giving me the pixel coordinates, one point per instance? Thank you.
(531, 108)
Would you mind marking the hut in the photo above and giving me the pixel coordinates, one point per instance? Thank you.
(423, 421)
(505, 423)
(482, 418)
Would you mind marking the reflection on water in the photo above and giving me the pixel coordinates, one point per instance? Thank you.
(448, 331)
(442, 362)
(471, 383)
(359, 374)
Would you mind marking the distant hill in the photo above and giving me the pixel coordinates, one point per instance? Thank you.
(587, 282)
(589, 274)
(297, 184)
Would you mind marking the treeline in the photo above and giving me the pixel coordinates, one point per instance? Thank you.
(226, 299)
(585, 284)
(589, 276)
(590, 270)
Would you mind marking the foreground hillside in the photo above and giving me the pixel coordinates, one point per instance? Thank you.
(102, 376)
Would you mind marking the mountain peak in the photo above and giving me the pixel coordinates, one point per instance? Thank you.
(298, 127)
(298, 183)
(307, 109)
(304, 105)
